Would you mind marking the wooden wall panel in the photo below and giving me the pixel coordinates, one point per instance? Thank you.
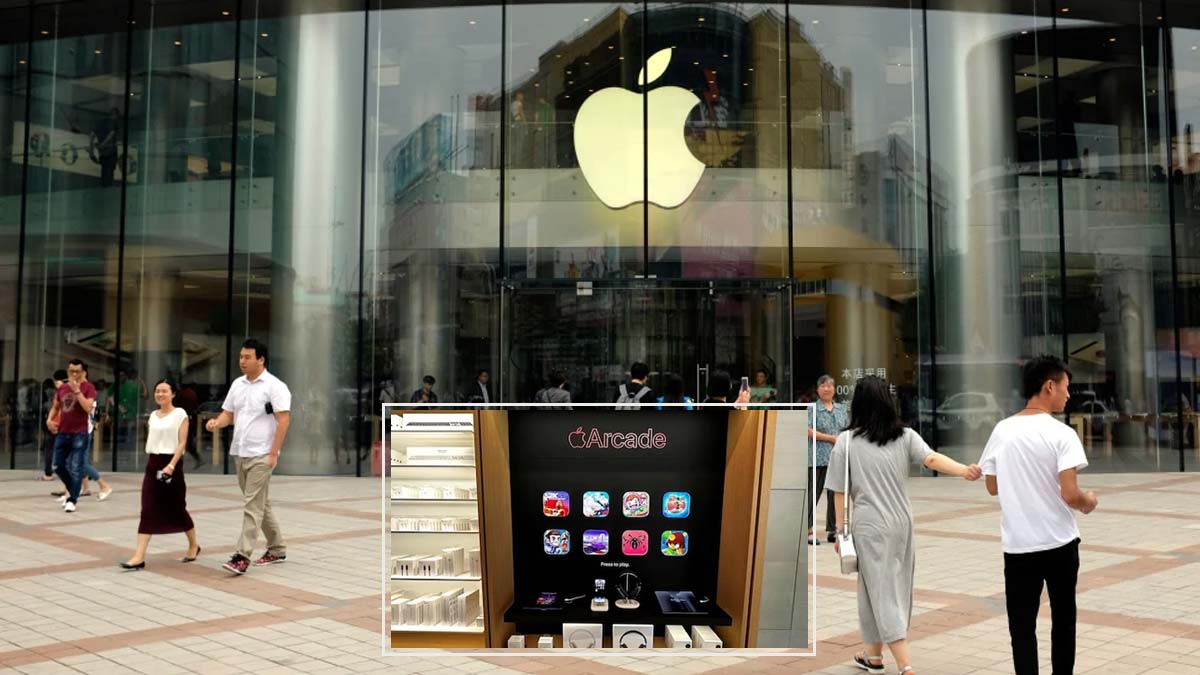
(495, 495)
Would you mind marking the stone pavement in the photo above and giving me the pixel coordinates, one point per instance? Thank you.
(65, 607)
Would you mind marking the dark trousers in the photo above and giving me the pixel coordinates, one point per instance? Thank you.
(70, 455)
(1024, 576)
(830, 515)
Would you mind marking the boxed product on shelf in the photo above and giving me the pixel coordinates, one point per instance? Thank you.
(428, 524)
(450, 607)
(405, 491)
(411, 612)
(472, 492)
(430, 567)
(455, 561)
(405, 566)
(455, 524)
(455, 492)
(472, 607)
(473, 564)
(464, 455)
(428, 492)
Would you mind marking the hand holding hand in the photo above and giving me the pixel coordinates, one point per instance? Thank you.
(1092, 502)
(973, 473)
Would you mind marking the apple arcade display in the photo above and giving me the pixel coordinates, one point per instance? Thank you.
(585, 529)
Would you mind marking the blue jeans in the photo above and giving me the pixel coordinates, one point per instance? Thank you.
(70, 455)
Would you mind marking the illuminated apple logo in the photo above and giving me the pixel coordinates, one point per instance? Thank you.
(608, 142)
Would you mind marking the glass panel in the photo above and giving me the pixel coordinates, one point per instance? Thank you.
(433, 199)
(77, 168)
(297, 229)
(996, 221)
(1118, 300)
(18, 399)
(573, 195)
(731, 217)
(1185, 140)
(174, 314)
(859, 199)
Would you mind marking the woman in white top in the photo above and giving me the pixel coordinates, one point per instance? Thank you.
(164, 494)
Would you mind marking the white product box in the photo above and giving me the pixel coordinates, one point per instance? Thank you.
(516, 642)
(583, 635)
(430, 567)
(472, 607)
(449, 607)
(703, 637)
(474, 567)
(677, 637)
(411, 612)
(428, 492)
(427, 524)
(546, 642)
(456, 561)
(632, 636)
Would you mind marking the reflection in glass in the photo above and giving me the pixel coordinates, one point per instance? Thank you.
(433, 198)
(297, 232)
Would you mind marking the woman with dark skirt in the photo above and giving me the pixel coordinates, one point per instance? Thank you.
(164, 494)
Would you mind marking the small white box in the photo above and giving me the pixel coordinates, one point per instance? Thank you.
(516, 642)
(455, 561)
(546, 642)
(632, 636)
(474, 568)
(703, 637)
(677, 637)
(583, 635)
(428, 492)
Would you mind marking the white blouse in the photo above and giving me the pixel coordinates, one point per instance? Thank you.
(164, 432)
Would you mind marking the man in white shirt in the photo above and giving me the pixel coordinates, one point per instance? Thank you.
(477, 391)
(259, 406)
(1031, 461)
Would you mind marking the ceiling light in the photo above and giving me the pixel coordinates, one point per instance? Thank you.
(611, 47)
(1065, 10)
(701, 18)
(816, 21)
(264, 34)
(178, 43)
(98, 51)
(224, 12)
(1024, 32)
(22, 62)
(1112, 39)
(45, 32)
(752, 70)
(558, 56)
(472, 22)
(585, 20)
(695, 63)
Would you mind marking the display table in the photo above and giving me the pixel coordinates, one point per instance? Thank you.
(551, 622)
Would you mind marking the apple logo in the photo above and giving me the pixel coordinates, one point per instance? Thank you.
(608, 142)
(575, 438)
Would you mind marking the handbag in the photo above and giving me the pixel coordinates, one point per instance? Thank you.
(846, 550)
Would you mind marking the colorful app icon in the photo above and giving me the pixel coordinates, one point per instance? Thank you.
(556, 542)
(636, 504)
(674, 543)
(595, 542)
(595, 504)
(677, 504)
(556, 504)
(635, 542)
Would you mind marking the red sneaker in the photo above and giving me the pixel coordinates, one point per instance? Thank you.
(237, 564)
(269, 558)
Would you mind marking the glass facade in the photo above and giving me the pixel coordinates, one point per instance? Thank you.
(927, 191)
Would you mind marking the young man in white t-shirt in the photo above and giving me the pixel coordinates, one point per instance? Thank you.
(1031, 461)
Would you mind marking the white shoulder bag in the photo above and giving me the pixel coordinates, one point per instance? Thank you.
(846, 551)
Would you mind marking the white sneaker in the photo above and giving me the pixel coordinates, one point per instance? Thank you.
(62, 499)
(69, 507)
(103, 494)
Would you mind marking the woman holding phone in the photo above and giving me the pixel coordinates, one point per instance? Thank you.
(164, 494)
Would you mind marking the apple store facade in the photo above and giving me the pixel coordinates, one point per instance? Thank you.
(931, 192)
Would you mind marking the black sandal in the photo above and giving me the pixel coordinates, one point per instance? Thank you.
(191, 558)
(863, 660)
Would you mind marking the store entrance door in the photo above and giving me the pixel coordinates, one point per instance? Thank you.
(593, 331)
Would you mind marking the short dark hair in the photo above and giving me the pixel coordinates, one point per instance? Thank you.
(260, 349)
(481, 371)
(60, 374)
(1038, 370)
(638, 371)
(428, 379)
(873, 411)
(169, 383)
(557, 378)
(719, 384)
(78, 362)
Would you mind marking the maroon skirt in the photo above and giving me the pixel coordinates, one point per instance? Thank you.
(164, 505)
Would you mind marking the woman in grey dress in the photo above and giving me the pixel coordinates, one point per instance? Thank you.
(880, 450)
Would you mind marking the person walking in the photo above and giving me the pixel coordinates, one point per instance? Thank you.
(259, 406)
(631, 394)
(830, 418)
(425, 394)
(876, 451)
(477, 391)
(49, 394)
(555, 394)
(1032, 462)
(68, 419)
(164, 493)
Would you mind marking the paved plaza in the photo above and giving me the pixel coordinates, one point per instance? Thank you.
(65, 606)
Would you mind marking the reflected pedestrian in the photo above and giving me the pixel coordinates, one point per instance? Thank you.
(164, 493)
(259, 407)
(673, 393)
(555, 393)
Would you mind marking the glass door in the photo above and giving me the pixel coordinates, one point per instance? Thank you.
(592, 332)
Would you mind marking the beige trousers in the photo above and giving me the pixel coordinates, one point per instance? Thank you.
(254, 479)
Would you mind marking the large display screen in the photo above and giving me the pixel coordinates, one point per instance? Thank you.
(596, 494)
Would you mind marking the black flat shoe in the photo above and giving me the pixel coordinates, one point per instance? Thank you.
(193, 558)
(831, 537)
(139, 566)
